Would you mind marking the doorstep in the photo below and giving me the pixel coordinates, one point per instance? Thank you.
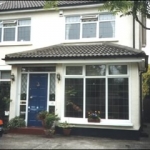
(28, 130)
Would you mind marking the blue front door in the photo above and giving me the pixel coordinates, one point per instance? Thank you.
(37, 97)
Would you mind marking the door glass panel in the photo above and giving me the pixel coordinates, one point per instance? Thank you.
(23, 86)
(52, 87)
(23, 111)
(52, 109)
(38, 69)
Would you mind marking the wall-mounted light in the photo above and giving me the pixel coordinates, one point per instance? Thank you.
(61, 13)
(12, 77)
(58, 76)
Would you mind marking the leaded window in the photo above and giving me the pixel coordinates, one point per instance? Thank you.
(97, 88)
(15, 30)
(90, 26)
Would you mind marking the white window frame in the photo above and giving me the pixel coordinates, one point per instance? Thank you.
(106, 121)
(97, 27)
(15, 21)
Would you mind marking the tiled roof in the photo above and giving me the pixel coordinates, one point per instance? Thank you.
(77, 51)
(22, 5)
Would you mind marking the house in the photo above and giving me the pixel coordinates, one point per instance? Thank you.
(73, 61)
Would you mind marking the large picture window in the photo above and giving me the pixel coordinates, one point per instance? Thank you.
(15, 30)
(98, 88)
(90, 26)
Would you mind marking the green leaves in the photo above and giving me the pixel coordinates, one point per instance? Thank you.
(146, 82)
(117, 6)
(65, 125)
(126, 7)
(51, 4)
(16, 122)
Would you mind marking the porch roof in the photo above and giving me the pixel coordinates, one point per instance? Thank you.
(78, 51)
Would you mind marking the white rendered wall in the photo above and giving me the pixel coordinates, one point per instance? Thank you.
(134, 103)
(47, 28)
(147, 48)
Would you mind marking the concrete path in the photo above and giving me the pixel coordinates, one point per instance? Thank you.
(17, 141)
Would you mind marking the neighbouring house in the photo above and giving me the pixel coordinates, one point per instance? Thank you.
(72, 61)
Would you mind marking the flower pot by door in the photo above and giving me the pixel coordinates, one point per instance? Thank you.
(66, 131)
(49, 132)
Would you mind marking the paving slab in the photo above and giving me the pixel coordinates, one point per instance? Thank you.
(22, 141)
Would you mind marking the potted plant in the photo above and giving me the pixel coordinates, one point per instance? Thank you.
(94, 116)
(41, 116)
(15, 123)
(66, 127)
(48, 120)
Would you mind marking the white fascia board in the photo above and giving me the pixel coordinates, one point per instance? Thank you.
(59, 8)
(76, 61)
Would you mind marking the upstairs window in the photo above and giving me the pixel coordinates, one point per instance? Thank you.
(90, 26)
(15, 30)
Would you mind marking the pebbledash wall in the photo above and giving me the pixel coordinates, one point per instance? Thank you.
(48, 28)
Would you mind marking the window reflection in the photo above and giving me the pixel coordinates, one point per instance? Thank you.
(95, 70)
(117, 69)
(74, 98)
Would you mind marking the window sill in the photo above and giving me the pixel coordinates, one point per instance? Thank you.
(15, 44)
(106, 123)
(92, 40)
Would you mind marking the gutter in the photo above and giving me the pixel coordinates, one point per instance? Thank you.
(42, 9)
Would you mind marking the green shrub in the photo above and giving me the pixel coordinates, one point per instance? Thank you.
(49, 120)
(146, 82)
(42, 115)
(16, 122)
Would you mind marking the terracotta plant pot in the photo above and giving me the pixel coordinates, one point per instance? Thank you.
(66, 131)
(49, 132)
(93, 120)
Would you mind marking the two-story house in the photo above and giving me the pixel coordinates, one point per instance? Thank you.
(72, 61)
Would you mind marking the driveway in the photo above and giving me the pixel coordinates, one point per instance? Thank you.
(18, 141)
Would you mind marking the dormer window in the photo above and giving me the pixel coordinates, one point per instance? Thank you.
(90, 26)
(15, 30)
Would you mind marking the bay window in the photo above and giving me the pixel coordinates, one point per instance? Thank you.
(91, 88)
(15, 30)
(90, 26)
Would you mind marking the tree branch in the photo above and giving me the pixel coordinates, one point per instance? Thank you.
(134, 13)
(137, 19)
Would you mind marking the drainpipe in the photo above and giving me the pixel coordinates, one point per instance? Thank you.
(133, 32)
(141, 102)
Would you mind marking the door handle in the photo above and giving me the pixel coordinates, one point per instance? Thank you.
(31, 97)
